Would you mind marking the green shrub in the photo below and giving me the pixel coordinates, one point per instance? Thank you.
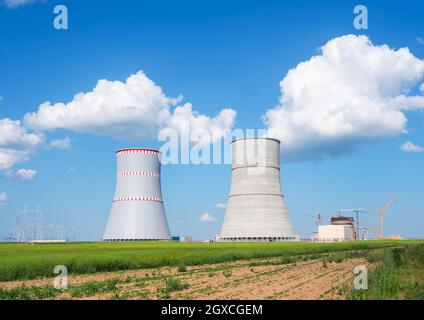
(173, 285)
(182, 268)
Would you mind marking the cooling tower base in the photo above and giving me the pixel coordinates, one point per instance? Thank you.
(260, 239)
(124, 240)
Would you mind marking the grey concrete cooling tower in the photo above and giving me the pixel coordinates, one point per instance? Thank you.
(256, 208)
(137, 209)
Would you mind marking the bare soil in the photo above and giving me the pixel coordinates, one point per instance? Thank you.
(306, 280)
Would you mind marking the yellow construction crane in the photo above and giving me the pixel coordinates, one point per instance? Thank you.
(382, 212)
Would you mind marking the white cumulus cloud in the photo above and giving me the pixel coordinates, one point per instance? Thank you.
(221, 205)
(3, 198)
(26, 174)
(63, 144)
(136, 108)
(16, 143)
(202, 128)
(130, 109)
(411, 147)
(206, 217)
(352, 93)
(20, 3)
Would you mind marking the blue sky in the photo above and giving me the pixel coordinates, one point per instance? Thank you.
(217, 54)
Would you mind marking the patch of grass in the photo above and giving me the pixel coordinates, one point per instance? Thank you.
(92, 288)
(227, 273)
(313, 257)
(288, 260)
(119, 296)
(21, 261)
(413, 291)
(398, 275)
(338, 258)
(325, 263)
(144, 295)
(397, 257)
(173, 285)
(182, 267)
(260, 263)
(28, 293)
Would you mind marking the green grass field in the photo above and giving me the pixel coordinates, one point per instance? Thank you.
(398, 276)
(26, 261)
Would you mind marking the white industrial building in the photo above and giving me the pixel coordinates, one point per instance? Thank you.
(335, 233)
(256, 207)
(137, 209)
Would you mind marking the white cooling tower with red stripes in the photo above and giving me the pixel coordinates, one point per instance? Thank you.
(137, 209)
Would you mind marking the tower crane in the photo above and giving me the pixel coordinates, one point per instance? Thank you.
(318, 218)
(382, 212)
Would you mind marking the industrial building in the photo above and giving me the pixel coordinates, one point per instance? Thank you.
(341, 229)
(340, 220)
(335, 233)
(256, 208)
(137, 209)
